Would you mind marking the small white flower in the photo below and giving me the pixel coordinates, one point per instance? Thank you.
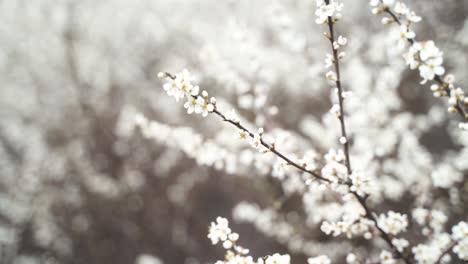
(334, 155)
(420, 215)
(341, 55)
(219, 230)
(323, 12)
(342, 41)
(193, 105)
(343, 140)
(331, 75)
(445, 176)
(329, 60)
(426, 253)
(351, 259)
(461, 249)
(256, 142)
(460, 231)
(400, 244)
(449, 78)
(243, 134)
(233, 236)
(204, 106)
(227, 244)
(335, 110)
(393, 223)
(386, 258)
(404, 34)
(360, 184)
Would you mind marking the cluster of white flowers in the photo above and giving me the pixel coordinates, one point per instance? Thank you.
(400, 244)
(330, 59)
(387, 257)
(427, 58)
(256, 141)
(446, 176)
(326, 9)
(334, 169)
(456, 95)
(393, 223)
(275, 225)
(403, 13)
(180, 86)
(422, 55)
(434, 250)
(432, 221)
(351, 225)
(360, 184)
(219, 231)
(426, 253)
(319, 260)
(460, 235)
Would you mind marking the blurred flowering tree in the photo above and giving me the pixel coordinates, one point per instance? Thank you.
(350, 159)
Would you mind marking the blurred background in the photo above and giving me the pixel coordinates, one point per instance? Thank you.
(80, 183)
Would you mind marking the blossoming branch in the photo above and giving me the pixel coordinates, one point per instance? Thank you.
(424, 56)
(336, 171)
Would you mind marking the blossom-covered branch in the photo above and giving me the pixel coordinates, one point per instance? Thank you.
(334, 59)
(180, 86)
(328, 12)
(424, 56)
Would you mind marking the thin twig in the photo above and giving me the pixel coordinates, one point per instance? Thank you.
(268, 146)
(369, 215)
(340, 94)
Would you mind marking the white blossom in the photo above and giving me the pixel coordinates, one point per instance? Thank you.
(404, 34)
(461, 249)
(387, 258)
(219, 230)
(325, 11)
(400, 243)
(445, 176)
(393, 223)
(331, 75)
(360, 183)
(460, 231)
(427, 57)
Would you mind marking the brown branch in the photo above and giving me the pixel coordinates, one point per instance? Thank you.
(268, 146)
(362, 200)
(340, 93)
